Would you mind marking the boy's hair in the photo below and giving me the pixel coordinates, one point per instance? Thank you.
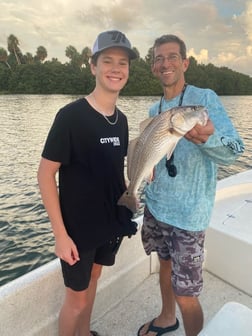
(94, 58)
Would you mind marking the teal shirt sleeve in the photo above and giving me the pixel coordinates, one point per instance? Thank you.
(225, 145)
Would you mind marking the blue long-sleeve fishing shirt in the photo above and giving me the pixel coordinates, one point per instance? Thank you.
(186, 201)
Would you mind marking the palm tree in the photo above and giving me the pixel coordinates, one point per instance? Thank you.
(28, 58)
(71, 52)
(13, 46)
(4, 57)
(85, 55)
(41, 53)
(149, 56)
(75, 57)
(137, 52)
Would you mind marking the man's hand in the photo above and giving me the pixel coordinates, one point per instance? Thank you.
(200, 134)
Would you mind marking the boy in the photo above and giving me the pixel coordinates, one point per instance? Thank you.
(87, 145)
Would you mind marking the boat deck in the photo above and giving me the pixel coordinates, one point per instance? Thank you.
(128, 293)
(228, 254)
(143, 304)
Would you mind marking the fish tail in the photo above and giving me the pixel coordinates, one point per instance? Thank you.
(128, 200)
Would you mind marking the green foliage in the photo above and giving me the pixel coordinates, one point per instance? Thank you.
(223, 80)
(141, 81)
(4, 78)
(25, 73)
(47, 78)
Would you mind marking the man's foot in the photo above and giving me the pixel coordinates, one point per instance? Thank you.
(149, 327)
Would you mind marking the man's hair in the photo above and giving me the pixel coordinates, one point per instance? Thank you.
(167, 39)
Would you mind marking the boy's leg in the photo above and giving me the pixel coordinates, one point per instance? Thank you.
(85, 318)
(76, 311)
(77, 308)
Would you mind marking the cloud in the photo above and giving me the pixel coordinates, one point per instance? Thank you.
(216, 31)
(249, 51)
(202, 57)
(247, 20)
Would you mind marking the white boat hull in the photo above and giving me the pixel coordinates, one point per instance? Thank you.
(229, 237)
(30, 304)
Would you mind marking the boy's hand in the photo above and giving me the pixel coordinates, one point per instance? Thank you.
(66, 250)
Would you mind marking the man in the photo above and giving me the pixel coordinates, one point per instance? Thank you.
(87, 145)
(180, 198)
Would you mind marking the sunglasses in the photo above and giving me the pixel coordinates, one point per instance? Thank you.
(171, 168)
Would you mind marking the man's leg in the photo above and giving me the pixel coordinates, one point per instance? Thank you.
(76, 311)
(168, 312)
(187, 264)
(192, 314)
(167, 316)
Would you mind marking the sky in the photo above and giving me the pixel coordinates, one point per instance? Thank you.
(215, 31)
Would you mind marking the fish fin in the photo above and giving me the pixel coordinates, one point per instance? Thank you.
(150, 177)
(171, 149)
(131, 149)
(130, 201)
(144, 124)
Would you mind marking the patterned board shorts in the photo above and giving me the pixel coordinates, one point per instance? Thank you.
(184, 248)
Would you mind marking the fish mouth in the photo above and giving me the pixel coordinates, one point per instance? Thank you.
(187, 119)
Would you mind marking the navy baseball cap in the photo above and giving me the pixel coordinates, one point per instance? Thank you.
(113, 38)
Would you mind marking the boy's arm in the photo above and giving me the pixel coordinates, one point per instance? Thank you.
(64, 245)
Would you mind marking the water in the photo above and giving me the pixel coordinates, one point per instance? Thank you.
(26, 239)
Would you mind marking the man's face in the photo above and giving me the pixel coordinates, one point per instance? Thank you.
(168, 65)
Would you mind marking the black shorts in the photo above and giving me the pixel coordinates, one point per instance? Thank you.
(77, 276)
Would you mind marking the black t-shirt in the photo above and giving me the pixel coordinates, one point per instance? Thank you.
(91, 176)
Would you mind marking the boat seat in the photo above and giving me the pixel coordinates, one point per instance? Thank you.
(233, 319)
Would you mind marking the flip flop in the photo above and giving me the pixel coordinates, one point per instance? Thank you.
(94, 333)
(159, 330)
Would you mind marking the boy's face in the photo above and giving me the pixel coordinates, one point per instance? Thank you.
(111, 69)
